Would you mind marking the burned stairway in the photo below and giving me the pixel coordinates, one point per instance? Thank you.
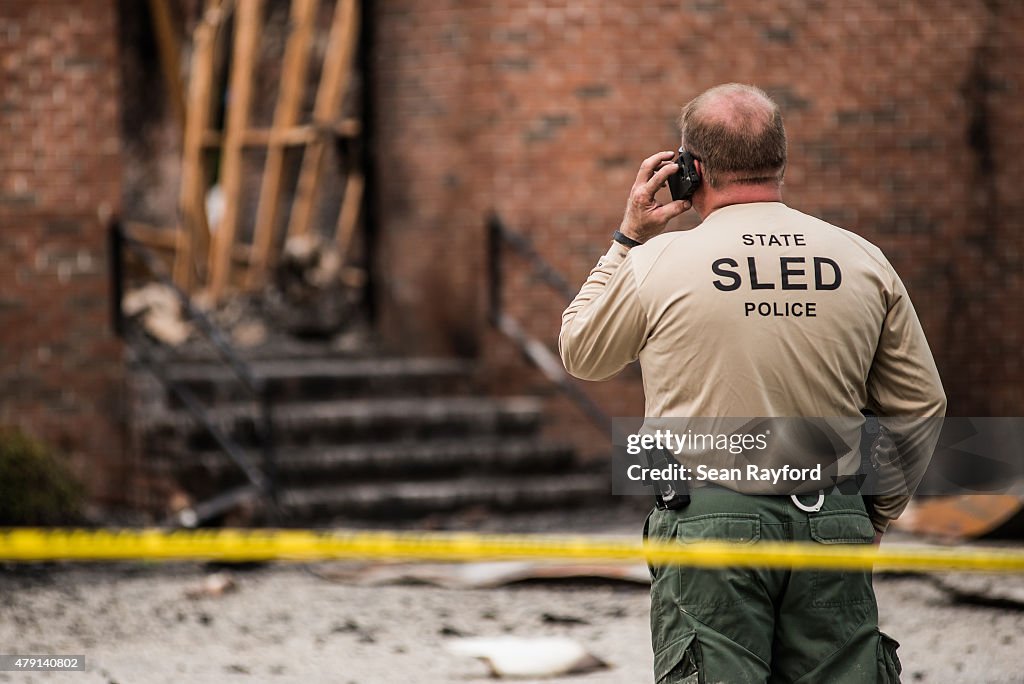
(369, 438)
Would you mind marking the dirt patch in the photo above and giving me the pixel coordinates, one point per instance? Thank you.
(282, 623)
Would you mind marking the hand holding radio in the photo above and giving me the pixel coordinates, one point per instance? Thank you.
(684, 183)
(645, 217)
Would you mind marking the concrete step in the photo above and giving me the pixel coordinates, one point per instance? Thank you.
(325, 378)
(428, 459)
(201, 349)
(346, 422)
(410, 498)
(365, 438)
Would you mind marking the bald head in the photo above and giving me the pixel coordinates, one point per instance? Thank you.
(736, 131)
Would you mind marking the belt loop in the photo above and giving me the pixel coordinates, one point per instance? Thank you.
(813, 508)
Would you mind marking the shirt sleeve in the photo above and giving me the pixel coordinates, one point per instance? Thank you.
(905, 391)
(605, 326)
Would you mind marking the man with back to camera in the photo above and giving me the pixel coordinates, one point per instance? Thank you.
(758, 311)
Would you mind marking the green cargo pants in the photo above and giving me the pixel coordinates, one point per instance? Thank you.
(737, 625)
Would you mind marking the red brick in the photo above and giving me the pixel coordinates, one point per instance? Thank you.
(61, 370)
(542, 113)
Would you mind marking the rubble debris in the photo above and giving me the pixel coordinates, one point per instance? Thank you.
(347, 627)
(311, 259)
(309, 296)
(485, 575)
(364, 635)
(159, 309)
(553, 619)
(509, 656)
(449, 631)
(961, 517)
(179, 501)
(249, 334)
(212, 586)
(312, 295)
(980, 591)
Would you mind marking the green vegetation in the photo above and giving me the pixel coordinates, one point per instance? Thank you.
(36, 487)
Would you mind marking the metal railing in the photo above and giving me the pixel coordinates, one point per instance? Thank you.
(261, 480)
(500, 238)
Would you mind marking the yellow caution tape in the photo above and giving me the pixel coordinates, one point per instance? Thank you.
(29, 544)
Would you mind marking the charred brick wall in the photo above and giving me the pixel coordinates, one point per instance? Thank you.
(902, 124)
(60, 368)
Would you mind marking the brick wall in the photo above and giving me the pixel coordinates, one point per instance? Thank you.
(903, 124)
(60, 369)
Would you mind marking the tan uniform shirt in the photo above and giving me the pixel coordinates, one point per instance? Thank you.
(761, 310)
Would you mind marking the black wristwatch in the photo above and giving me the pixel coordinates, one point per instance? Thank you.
(625, 239)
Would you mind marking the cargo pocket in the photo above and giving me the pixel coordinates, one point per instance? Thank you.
(737, 528)
(679, 662)
(834, 589)
(841, 527)
(707, 593)
(889, 667)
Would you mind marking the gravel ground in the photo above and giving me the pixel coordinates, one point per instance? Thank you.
(285, 623)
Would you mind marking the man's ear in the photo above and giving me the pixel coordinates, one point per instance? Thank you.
(699, 166)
